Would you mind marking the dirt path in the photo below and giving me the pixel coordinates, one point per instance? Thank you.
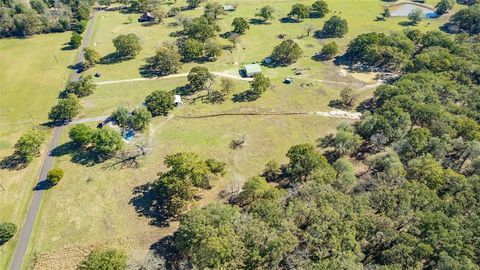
(330, 114)
(180, 75)
(34, 207)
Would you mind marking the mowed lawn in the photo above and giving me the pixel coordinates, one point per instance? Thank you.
(32, 72)
(92, 205)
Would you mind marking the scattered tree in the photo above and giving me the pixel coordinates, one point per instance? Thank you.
(286, 53)
(127, 45)
(111, 259)
(28, 145)
(200, 29)
(335, 27)
(319, 9)
(106, 142)
(300, 11)
(213, 10)
(329, 50)
(54, 176)
(199, 79)
(190, 49)
(91, 57)
(212, 49)
(81, 135)
(386, 13)
(240, 25)
(139, 119)
(159, 103)
(266, 13)
(75, 40)
(348, 97)
(415, 16)
(194, 3)
(166, 61)
(66, 109)
(444, 6)
(82, 87)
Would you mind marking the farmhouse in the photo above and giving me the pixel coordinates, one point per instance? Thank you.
(252, 69)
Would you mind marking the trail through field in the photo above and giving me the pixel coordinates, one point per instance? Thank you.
(330, 114)
(234, 77)
(180, 75)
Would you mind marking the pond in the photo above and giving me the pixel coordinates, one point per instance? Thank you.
(402, 10)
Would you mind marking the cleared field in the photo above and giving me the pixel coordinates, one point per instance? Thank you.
(32, 72)
(92, 206)
(95, 202)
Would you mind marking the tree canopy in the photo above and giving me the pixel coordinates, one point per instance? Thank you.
(159, 103)
(127, 45)
(335, 27)
(286, 53)
(66, 109)
(104, 259)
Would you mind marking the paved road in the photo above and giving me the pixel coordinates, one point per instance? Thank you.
(34, 208)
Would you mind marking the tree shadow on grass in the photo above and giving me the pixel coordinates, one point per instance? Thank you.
(79, 156)
(13, 162)
(256, 21)
(165, 249)
(338, 104)
(367, 105)
(244, 96)
(68, 47)
(43, 185)
(113, 58)
(406, 23)
(183, 90)
(288, 20)
(146, 204)
(147, 71)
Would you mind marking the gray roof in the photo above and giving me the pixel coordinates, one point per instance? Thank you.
(253, 68)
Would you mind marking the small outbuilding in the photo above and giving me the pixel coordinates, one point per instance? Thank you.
(252, 69)
(146, 17)
(229, 8)
(178, 100)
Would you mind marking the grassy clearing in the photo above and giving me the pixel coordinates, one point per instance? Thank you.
(256, 44)
(32, 72)
(95, 201)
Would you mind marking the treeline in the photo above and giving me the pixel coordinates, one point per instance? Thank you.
(412, 199)
(43, 16)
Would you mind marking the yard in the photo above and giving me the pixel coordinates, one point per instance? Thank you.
(97, 205)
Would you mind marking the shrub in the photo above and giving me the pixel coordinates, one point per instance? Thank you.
(7, 231)
(54, 176)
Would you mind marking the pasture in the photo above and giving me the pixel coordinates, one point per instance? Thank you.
(103, 204)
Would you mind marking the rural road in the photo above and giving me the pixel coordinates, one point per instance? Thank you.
(36, 202)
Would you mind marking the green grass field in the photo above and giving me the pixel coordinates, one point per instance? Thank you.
(32, 72)
(91, 206)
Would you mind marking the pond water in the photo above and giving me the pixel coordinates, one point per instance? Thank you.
(403, 10)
